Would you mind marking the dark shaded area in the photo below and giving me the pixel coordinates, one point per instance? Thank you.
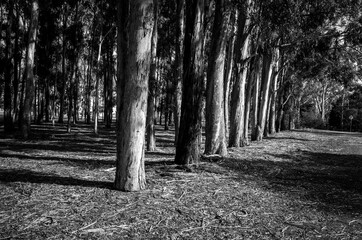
(82, 163)
(21, 175)
(329, 133)
(332, 181)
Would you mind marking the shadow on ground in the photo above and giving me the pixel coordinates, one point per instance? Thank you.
(21, 175)
(332, 181)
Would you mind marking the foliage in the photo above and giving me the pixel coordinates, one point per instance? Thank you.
(347, 107)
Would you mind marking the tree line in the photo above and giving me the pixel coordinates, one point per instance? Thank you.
(242, 69)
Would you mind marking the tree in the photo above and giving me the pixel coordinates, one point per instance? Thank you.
(215, 142)
(151, 138)
(8, 118)
(29, 93)
(187, 149)
(180, 25)
(134, 53)
(242, 55)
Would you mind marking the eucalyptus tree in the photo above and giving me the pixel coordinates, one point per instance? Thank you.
(135, 27)
(30, 84)
(188, 149)
(215, 142)
(180, 28)
(151, 138)
(8, 118)
(242, 66)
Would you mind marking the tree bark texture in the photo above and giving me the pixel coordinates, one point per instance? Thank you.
(151, 138)
(255, 99)
(187, 149)
(237, 112)
(265, 85)
(30, 84)
(8, 118)
(64, 74)
(215, 121)
(108, 90)
(180, 26)
(229, 65)
(273, 94)
(133, 90)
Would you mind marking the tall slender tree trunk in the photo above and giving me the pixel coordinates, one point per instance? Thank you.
(89, 89)
(178, 65)
(255, 99)
(187, 149)
(8, 118)
(248, 99)
(96, 105)
(70, 98)
(108, 90)
(273, 97)
(151, 138)
(134, 56)
(215, 120)
(30, 85)
(229, 69)
(237, 113)
(17, 60)
(64, 74)
(280, 101)
(75, 95)
(96, 90)
(265, 85)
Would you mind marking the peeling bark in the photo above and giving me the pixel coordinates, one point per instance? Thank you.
(134, 41)
(215, 126)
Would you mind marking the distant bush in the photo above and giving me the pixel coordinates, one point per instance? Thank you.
(311, 120)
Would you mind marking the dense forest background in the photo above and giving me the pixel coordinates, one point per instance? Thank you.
(241, 69)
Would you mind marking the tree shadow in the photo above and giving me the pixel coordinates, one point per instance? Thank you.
(290, 138)
(331, 181)
(159, 154)
(328, 132)
(27, 176)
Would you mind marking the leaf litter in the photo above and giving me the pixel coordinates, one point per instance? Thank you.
(295, 185)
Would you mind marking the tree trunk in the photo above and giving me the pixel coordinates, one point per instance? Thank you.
(187, 149)
(151, 138)
(265, 85)
(96, 105)
(237, 117)
(64, 74)
(70, 97)
(75, 95)
(256, 96)
(273, 98)
(96, 90)
(274, 93)
(17, 60)
(248, 100)
(134, 65)
(215, 126)
(178, 65)
(108, 91)
(30, 85)
(229, 70)
(8, 118)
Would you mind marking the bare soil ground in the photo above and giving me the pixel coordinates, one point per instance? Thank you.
(296, 185)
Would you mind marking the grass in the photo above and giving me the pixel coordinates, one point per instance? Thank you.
(294, 185)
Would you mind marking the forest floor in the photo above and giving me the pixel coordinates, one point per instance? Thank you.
(303, 184)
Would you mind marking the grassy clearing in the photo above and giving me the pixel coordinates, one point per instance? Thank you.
(295, 185)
